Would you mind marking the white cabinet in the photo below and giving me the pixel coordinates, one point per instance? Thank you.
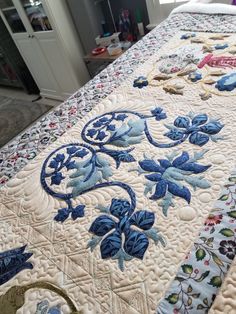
(46, 38)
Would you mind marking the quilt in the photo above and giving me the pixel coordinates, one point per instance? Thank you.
(133, 209)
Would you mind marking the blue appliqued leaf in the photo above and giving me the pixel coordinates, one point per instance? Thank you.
(160, 191)
(103, 119)
(111, 127)
(182, 192)
(62, 215)
(212, 128)
(102, 225)
(57, 178)
(91, 133)
(111, 245)
(59, 157)
(97, 124)
(121, 117)
(182, 122)
(53, 164)
(136, 244)
(81, 153)
(70, 165)
(77, 212)
(199, 119)
(101, 135)
(194, 167)
(150, 166)
(175, 134)
(181, 159)
(198, 139)
(143, 219)
(119, 207)
(71, 150)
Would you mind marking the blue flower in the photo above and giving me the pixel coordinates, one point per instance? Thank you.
(188, 35)
(227, 82)
(101, 135)
(197, 129)
(12, 262)
(135, 241)
(158, 113)
(195, 76)
(140, 82)
(221, 46)
(166, 176)
(44, 308)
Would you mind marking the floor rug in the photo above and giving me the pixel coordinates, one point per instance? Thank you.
(16, 115)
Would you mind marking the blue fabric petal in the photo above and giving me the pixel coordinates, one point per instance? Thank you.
(53, 164)
(160, 190)
(91, 133)
(182, 122)
(81, 153)
(11, 262)
(136, 244)
(180, 160)
(77, 212)
(164, 163)
(121, 117)
(111, 245)
(102, 225)
(54, 310)
(175, 134)
(199, 139)
(199, 119)
(211, 127)
(182, 192)
(101, 135)
(119, 207)
(151, 166)
(70, 165)
(142, 219)
(155, 177)
(111, 127)
(193, 167)
(59, 157)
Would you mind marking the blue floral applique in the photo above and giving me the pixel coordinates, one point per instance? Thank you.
(140, 82)
(226, 83)
(44, 308)
(195, 76)
(12, 262)
(118, 222)
(198, 129)
(167, 176)
(221, 46)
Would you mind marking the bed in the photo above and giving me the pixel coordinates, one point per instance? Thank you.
(122, 199)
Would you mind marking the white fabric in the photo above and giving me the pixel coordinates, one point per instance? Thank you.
(207, 8)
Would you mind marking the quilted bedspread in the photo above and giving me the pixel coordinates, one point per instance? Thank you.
(132, 210)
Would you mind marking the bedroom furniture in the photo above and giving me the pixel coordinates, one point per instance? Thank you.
(13, 70)
(58, 252)
(47, 40)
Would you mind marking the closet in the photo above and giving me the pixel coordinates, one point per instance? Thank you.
(46, 38)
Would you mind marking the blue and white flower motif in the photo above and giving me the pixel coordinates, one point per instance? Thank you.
(227, 82)
(199, 129)
(110, 229)
(140, 82)
(167, 175)
(195, 76)
(159, 114)
(188, 35)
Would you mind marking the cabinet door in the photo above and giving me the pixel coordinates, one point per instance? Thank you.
(41, 28)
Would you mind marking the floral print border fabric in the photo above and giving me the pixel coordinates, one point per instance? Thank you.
(202, 273)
